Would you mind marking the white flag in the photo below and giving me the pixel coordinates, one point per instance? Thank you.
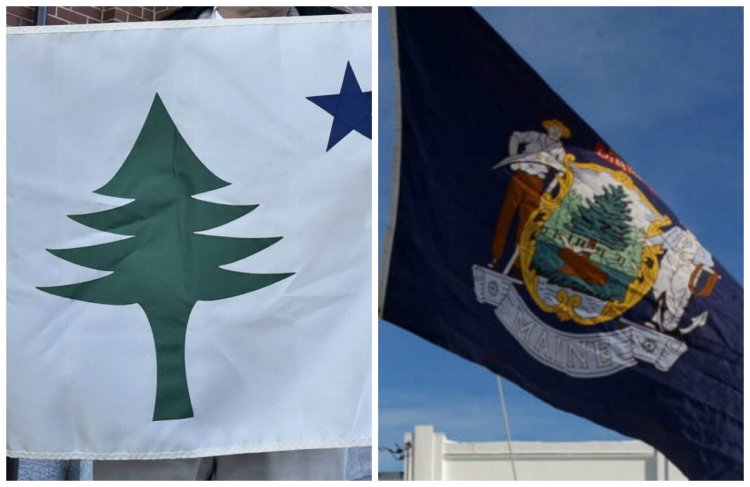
(189, 238)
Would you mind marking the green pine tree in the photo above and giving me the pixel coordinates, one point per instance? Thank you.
(164, 267)
(605, 219)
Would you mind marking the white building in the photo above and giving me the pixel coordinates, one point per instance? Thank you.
(431, 456)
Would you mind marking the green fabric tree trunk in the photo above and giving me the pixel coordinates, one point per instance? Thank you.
(169, 327)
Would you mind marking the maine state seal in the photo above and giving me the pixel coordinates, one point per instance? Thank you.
(588, 246)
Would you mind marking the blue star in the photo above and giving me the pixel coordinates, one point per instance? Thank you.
(351, 109)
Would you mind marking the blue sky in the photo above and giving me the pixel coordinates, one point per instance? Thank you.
(663, 86)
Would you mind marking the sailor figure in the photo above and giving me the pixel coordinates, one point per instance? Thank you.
(683, 263)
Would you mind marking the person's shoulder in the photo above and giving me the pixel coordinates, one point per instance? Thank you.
(186, 13)
(192, 13)
(319, 11)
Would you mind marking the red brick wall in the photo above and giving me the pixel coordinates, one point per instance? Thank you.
(15, 16)
(20, 16)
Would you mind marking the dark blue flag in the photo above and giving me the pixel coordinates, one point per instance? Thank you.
(524, 243)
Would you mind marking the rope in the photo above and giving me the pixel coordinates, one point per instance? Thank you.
(507, 427)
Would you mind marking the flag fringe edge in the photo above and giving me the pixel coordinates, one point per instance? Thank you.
(395, 169)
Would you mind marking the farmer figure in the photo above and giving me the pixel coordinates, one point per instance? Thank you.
(540, 151)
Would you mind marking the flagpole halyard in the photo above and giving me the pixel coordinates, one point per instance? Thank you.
(507, 426)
